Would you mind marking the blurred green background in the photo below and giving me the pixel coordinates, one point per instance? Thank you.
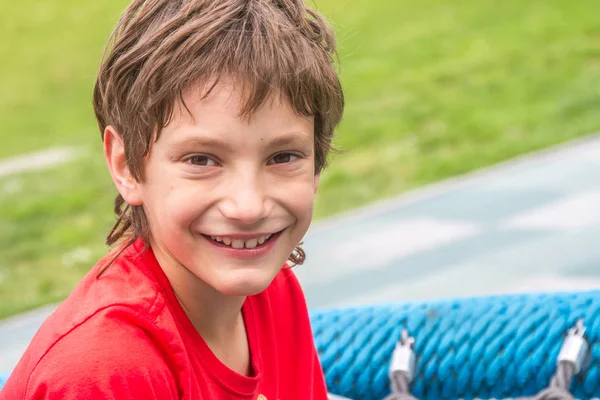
(434, 89)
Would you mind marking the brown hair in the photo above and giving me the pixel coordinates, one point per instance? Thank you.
(161, 47)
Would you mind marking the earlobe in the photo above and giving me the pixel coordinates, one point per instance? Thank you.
(114, 154)
(317, 178)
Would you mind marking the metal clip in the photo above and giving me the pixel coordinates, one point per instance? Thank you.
(403, 357)
(575, 348)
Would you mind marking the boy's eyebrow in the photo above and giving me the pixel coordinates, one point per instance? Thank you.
(202, 141)
(291, 139)
(288, 139)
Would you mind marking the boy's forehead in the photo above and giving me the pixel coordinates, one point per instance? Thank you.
(209, 110)
(207, 92)
(235, 95)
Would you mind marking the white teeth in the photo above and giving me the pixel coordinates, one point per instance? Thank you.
(237, 244)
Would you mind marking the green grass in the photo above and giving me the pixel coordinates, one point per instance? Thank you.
(434, 89)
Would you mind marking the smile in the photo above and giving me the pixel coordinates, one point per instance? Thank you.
(246, 247)
(240, 243)
(246, 243)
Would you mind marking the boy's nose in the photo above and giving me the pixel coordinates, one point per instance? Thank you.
(245, 201)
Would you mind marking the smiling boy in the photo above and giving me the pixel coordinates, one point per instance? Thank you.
(216, 119)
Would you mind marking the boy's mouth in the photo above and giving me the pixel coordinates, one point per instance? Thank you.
(236, 243)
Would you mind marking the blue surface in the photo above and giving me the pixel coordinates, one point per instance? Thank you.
(493, 347)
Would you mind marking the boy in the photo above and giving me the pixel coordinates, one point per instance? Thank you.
(216, 118)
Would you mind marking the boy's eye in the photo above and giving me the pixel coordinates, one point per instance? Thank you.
(203, 161)
(283, 158)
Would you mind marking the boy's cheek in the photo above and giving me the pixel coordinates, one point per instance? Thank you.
(300, 202)
(172, 202)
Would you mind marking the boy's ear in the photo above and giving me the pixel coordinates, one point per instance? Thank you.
(114, 153)
(317, 178)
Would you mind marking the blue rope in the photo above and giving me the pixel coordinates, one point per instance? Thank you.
(493, 347)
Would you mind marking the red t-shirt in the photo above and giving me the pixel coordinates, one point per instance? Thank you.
(125, 336)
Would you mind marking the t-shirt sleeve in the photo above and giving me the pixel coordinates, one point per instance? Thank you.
(103, 360)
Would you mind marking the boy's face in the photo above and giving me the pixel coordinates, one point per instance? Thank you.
(229, 198)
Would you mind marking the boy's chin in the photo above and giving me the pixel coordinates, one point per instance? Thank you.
(244, 283)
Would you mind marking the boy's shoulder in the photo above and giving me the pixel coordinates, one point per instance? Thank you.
(127, 289)
(107, 326)
(105, 356)
(101, 312)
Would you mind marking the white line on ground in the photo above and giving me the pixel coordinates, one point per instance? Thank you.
(37, 160)
(400, 240)
(571, 213)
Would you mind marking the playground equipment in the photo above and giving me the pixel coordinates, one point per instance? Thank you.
(492, 347)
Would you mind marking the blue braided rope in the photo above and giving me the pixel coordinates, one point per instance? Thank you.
(493, 347)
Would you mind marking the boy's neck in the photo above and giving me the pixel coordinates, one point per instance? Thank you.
(217, 317)
(223, 330)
